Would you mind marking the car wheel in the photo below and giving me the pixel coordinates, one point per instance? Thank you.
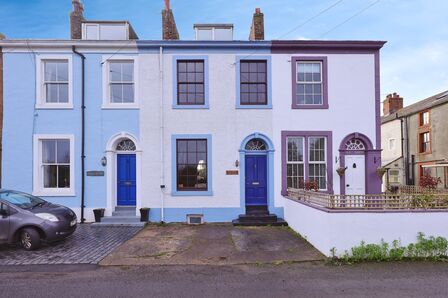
(30, 239)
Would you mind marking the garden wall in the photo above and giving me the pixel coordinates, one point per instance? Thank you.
(327, 229)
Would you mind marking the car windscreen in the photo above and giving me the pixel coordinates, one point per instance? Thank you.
(21, 200)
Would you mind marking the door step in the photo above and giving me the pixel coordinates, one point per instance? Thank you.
(257, 219)
(122, 216)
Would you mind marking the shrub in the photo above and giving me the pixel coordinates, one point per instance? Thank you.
(431, 248)
(429, 182)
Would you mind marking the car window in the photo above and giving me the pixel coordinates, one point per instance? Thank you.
(20, 200)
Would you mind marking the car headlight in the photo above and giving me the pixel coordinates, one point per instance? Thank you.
(47, 216)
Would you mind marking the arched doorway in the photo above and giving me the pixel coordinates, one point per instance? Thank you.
(256, 157)
(354, 158)
(123, 157)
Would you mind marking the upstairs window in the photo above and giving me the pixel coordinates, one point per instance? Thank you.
(190, 82)
(121, 75)
(253, 77)
(310, 83)
(425, 142)
(120, 83)
(54, 81)
(424, 118)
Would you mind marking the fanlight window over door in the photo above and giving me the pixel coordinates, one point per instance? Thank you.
(126, 145)
(355, 144)
(256, 145)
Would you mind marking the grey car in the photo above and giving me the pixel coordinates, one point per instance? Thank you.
(30, 220)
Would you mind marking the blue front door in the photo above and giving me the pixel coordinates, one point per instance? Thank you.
(256, 180)
(126, 180)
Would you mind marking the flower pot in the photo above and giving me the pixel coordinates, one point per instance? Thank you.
(98, 213)
(341, 171)
(144, 214)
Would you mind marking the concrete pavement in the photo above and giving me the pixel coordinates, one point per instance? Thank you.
(212, 244)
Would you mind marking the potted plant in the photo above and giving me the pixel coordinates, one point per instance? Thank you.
(380, 171)
(144, 214)
(98, 213)
(341, 171)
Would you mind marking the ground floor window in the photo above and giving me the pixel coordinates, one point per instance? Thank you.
(54, 164)
(191, 164)
(305, 159)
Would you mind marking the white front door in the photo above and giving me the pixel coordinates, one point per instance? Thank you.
(355, 175)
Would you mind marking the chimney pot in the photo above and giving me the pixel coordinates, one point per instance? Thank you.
(76, 19)
(169, 29)
(392, 103)
(257, 28)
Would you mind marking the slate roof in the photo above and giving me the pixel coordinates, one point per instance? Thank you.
(424, 104)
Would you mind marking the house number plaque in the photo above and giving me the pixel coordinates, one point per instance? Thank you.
(232, 172)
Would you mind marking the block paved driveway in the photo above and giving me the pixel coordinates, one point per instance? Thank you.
(88, 245)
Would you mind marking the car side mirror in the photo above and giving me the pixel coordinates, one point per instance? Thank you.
(3, 210)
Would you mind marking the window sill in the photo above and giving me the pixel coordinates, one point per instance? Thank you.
(191, 107)
(56, 193)
(254, 107)
(310, 107)
(120, 107)
(54, 107)
(207, 193)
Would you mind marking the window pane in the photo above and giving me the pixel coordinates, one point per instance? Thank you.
(116, 93)
(182, 146)
(52, 92)
(48, 151)
(63, 176)
(50, 176)
(62, 68)
(115, 71)
(253, 82)
(63, 151)
(128, 93)
(50, 69)
(181, 66)
(63, 93)
(128, 71)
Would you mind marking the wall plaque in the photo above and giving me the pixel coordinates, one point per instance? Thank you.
(232, 172)
(95, 173)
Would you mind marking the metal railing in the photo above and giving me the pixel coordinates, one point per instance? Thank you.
(372, 202)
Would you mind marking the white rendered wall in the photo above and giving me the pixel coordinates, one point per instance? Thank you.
(343, 231)
(390, 130)
(351, 99)
(351, 85)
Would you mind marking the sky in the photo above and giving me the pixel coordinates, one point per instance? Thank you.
(413, 62)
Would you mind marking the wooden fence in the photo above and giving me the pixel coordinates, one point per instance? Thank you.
(372, 202)
(413, 189)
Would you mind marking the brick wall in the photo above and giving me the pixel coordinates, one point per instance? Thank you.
(257, 28)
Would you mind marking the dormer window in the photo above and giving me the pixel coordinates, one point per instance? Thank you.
(214, 31)
(120, 30)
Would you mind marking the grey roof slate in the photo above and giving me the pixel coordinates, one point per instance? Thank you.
(424, 104)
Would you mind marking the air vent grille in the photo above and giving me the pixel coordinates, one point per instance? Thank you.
(195, 219)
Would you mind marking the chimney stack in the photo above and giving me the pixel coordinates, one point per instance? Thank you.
(169, 29)
(392, 103)
(76, 19)
(257, 28)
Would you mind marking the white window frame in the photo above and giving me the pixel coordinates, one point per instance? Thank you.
(319, 162)
(41, 101)
(38, 189)
(392, 143)
(107, 104)
(288, 162)
(321, 82)
(396, 177)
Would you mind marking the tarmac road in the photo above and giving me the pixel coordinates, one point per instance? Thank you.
(415, 279)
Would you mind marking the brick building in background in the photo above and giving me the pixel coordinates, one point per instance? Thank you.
(415, 140)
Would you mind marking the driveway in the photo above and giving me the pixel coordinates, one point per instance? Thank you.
(88, 245)
(212, 244)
